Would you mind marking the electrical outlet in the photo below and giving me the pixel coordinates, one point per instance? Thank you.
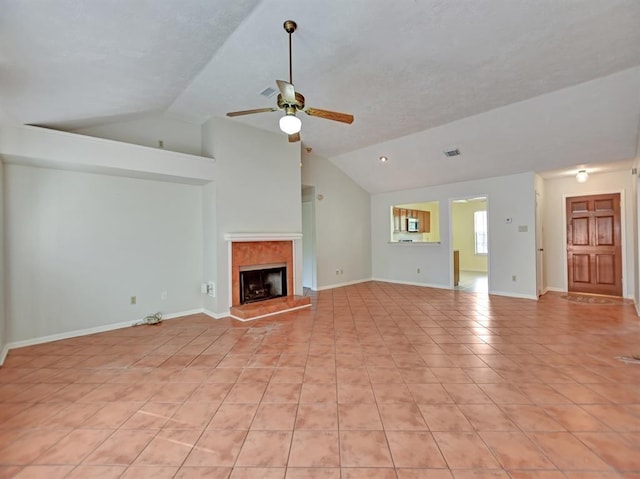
(418, 270)
(514, 278)
(211, 289)
(164, 295)
(337, 272)
(133, 300)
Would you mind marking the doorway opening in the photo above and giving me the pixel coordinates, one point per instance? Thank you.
(470, 244)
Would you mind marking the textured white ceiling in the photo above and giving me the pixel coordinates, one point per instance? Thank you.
(440, 69)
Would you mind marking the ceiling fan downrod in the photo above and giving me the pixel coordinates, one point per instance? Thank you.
(290, 27)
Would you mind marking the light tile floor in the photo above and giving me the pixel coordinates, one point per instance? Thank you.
(473, 282)
(374, 381)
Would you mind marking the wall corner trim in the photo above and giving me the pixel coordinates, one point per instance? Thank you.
(3, 354)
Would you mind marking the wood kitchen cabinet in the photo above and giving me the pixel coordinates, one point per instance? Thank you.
(424, 221)
(400, 216)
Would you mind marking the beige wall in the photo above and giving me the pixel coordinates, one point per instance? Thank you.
(463, 235)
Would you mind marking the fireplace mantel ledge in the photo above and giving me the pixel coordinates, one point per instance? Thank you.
(262, 236)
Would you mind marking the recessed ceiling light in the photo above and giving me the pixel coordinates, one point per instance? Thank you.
(452, 152)
(384, 159)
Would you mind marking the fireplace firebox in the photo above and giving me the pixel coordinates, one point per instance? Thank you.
(262, 282)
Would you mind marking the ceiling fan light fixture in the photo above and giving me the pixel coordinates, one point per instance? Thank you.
(290, 124)
(582, 176)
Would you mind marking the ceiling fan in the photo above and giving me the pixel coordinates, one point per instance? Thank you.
(290, 101)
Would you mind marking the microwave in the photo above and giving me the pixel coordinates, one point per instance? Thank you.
(412, 225)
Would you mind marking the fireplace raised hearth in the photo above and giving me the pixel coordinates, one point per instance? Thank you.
(256, 294)
(262, 282)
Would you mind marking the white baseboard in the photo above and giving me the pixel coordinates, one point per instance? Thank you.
(412, 283)
(514, 295)
(440, 286)
(84, 332)
(182, 313)
(555, 290)
(213, 315)
(340, 285)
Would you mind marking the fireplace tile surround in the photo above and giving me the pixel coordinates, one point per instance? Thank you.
(253, 249)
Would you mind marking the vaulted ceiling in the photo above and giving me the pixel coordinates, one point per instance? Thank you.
(518, 85)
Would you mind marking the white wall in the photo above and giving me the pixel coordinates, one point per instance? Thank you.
(258, 191)
(636, 225)
(343, 223)
(79, 245)
(463, 230)
(2, 268)
(555, 230)
(175, 133)
(209, 243)
(512, 253)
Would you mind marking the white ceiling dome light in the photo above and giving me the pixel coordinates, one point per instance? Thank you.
(582, 176)
(290, 124)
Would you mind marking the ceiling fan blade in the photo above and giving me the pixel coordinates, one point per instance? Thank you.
(295, 137)
(330, 115)
(250, 112)
(287, 91)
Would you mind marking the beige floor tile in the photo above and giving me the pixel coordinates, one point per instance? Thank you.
(414, 449)
(364, 449)
(265, 449)
(374, 381)
(314, 449)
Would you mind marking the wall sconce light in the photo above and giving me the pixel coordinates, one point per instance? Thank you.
(582, 176)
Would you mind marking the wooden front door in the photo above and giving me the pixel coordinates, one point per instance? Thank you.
(594, 253)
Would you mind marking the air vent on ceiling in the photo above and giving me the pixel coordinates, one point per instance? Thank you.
(452, 152)
(268, 92)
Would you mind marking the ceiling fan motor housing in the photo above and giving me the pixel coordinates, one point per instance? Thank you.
(298, 105)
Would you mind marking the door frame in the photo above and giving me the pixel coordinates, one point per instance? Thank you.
(623, 233)
(541, 286)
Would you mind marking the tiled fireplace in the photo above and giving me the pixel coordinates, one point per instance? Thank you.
(270, 253)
